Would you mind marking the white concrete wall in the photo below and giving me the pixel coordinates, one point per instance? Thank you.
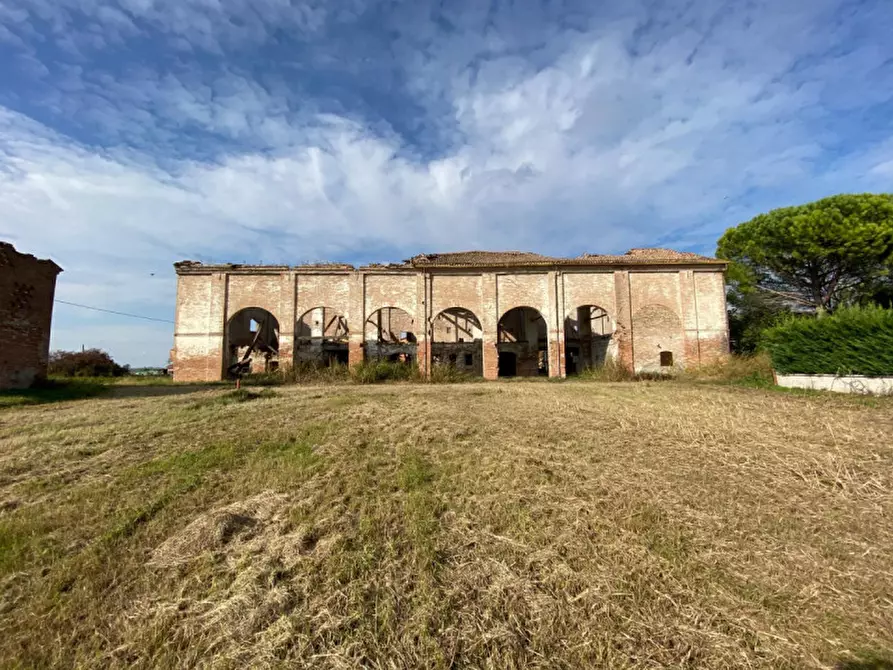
(845, 384)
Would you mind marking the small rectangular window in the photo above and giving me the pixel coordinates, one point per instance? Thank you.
(666, 359)
(468, 360)
(453, 358)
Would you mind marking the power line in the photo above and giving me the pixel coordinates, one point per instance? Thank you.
(111, 311)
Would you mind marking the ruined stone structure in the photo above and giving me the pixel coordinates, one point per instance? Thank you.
(27, 288)
(487, 313)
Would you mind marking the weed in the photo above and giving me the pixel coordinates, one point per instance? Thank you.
(750, 370)
(613, 370)
(443, 373)
(377, 371)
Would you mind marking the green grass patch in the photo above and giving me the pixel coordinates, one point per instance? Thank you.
(132, 520)
(51, 391)
(415, 472)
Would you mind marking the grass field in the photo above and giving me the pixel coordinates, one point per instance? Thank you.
(500, 525)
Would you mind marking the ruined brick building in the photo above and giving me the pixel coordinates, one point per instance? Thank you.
(27, 288)
(488, 313)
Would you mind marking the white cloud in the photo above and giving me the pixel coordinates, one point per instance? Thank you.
(561, 140)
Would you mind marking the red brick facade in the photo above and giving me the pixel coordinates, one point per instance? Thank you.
(489, 313)
(27, 288)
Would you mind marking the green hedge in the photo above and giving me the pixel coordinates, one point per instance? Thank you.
(853, 340)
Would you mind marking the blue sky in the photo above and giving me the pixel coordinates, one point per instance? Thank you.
(135, 133)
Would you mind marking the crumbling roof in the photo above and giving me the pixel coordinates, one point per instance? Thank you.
(471, 258)
(520, 258)
(481, 259)
(9, 255)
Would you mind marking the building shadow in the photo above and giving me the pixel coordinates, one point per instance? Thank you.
(50, 392)
(145, 391)
(54, 391)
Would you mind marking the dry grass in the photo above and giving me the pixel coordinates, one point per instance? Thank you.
(754, 370)
(636, 525)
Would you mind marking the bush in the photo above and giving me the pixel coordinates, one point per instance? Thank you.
(749, 315)
(89, 363)
(853, 340)
(611, 370)
(372, 372)
(443, 373)
(302, 372)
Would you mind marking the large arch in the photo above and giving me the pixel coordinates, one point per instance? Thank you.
(588, 338)
(457, 340)
(658, 339)
(389, 334)
(252, 341)
(321, 337)
(522, 343)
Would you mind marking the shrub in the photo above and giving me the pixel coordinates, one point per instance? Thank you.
(372, 372)
(89, 363)
(611, 370)
(302, 372)
(852, 340)
(442, 373)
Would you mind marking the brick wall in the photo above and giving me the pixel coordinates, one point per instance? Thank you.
(648, 310)
(27, 288)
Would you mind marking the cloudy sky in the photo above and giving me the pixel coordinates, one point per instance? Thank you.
(135, 133)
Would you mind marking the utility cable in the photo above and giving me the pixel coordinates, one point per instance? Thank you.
(111, 311)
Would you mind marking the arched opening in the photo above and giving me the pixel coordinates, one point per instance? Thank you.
(390, 335)
(321, 337)
(457, 340)
(252, 342)
(587, 339)
(522, 343)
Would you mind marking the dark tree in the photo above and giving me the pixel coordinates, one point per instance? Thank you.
(89, 363)
(830, 252)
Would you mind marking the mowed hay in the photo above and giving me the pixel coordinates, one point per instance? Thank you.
(635, 525)
(211, 532)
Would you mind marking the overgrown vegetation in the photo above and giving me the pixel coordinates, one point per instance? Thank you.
(491, 525)
(373, 372)
(88, 363)
(367, 372)
(852, 341)
(303, 372)
(750, 370)
(611, 371)
(750, 313)
(444, 373)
